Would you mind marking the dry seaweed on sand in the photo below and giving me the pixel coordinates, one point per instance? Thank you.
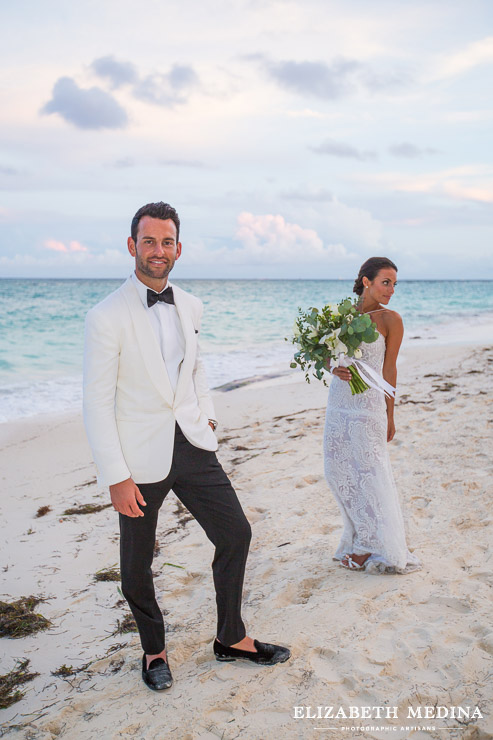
(42, 511)
(127, 624)
(108, 574)
(18, 619)
(445, 387)
(86, 509)
(87, 483)
(9, 693)
(64, 670)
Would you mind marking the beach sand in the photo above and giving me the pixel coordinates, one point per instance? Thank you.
(421, 639)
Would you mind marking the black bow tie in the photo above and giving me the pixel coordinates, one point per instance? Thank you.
(166, 296)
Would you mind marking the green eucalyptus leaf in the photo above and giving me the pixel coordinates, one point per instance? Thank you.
(370, 336)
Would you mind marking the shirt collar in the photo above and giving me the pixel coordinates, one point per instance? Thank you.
(142, 289)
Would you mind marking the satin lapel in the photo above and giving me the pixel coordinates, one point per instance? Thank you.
(148, 344)
(188, 328)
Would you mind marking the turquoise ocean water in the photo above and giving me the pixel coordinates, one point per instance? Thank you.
(243, 330)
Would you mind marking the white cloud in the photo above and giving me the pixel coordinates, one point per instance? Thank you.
(356, 228)
(57, 246)
(306, 113)
(65, 256)
(479, 52)
(271, 240)
(114, 257)
(468, 183)
(458, 191)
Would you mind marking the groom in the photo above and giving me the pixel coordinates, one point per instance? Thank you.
(150, 422)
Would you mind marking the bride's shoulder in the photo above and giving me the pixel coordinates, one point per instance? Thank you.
(390, 315)
(392, 321)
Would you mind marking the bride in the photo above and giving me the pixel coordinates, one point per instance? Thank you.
(357, 429)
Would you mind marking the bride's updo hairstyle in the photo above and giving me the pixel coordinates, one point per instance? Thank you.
(370, 270)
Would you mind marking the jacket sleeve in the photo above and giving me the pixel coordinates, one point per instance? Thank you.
(199, 376)
(101, 358)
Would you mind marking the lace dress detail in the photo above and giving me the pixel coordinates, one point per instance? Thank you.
(358, 471)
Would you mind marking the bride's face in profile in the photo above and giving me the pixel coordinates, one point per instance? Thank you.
(381, 289)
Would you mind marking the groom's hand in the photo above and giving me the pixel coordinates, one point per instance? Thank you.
(125, 497)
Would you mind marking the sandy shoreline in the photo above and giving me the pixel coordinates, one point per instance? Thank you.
(420, 639)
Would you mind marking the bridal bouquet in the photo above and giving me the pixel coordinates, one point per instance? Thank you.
(338, 329)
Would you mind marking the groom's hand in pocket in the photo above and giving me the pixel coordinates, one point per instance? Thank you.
(126, 497)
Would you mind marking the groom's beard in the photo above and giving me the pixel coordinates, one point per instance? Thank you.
(159, 272)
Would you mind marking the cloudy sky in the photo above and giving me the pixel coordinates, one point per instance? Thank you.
(296, 138)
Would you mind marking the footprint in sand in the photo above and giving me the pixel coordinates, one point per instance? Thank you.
(298, 593)
(450, 602)
(311, 479)
(485, 576)
(323, 663)
(308, 480)
(256, 514)
(220, 717)
(470, 522)
(486, 643)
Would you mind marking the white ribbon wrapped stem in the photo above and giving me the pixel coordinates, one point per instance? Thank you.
(369, 375)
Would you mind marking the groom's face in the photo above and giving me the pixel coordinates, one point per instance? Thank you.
(156, 250)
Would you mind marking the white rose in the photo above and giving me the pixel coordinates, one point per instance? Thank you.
(331, 338)
(358, 354)
(340, 348)
(334, 309)
(296, 330)
(313, 334)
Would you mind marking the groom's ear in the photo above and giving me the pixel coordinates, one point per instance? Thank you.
(131, 246)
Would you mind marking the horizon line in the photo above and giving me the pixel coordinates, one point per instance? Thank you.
(270, 279)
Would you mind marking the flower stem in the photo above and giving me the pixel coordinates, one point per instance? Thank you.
(357, 384)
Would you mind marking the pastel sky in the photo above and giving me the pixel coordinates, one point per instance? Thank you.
(296, 138)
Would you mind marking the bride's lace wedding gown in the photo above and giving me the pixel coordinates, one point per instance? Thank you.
(358, 471)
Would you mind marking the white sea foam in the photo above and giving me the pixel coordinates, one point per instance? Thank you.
(61, 394)
(242, 335)
(53, 396)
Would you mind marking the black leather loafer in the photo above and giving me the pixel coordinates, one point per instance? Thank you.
(158, 676)
(266, 654)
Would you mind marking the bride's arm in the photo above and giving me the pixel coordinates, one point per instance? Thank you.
(393, 340)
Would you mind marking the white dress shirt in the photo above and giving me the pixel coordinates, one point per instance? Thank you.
(167, 328)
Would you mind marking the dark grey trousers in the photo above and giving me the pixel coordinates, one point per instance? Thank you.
(203, 487)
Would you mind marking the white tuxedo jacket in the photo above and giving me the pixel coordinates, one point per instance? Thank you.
(129, 405)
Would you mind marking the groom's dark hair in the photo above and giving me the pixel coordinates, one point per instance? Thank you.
(370, 269)
(155, 210)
